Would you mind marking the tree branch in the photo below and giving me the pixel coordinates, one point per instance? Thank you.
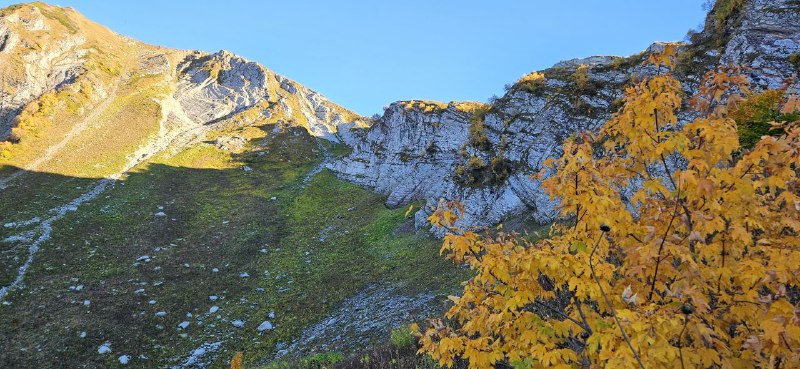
(661, 248)
(611, 307)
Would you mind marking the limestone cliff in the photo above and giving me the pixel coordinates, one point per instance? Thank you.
(485, 158)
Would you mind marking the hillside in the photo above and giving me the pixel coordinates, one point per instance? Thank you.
(169, 208)
(164, 204)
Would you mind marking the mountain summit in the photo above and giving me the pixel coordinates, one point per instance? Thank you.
(72, 86)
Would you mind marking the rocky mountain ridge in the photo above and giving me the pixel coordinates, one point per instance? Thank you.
(413, 152)
(54, 60)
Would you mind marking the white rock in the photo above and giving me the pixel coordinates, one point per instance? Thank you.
(237, 323)
(213, 298)
(104, 348)
(83, 334)
(272, 315)
(215, 270)
(160, 214)
(161, 314)
(265, 326)
(244, 275)
(213, 309)
(124, 359)
(183, 325)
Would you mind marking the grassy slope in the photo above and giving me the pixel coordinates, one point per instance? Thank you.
(218, 216)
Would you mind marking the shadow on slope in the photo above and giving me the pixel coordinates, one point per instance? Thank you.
(197, 249)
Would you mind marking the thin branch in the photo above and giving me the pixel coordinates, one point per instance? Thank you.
(680, 340)
(610, 307)
(631, 235)
(660, 249)
(719, 279)
(583, 316)
(561, 314)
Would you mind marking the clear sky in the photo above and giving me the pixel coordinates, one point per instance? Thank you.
(366, 54)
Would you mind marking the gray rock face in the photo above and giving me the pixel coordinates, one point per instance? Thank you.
(527, 126)
(46, 67)
(215, 86)
(362, 320)
(769, 32)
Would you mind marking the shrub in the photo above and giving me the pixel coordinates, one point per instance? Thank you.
(583, 81)
(403, 338)
(534, 83)
(795, 60)
(475, 172)
(754, 114)
(617, 104)
(431, 149)
(723, 10)
(476, 163)
(17, 134)
(501, 168)
(627, 62)
(477, 132)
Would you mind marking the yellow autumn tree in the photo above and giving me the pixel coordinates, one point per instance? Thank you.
(675, 249)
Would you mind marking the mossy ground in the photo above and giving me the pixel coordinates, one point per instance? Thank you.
(306, 247)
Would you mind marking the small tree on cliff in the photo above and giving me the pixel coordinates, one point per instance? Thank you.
(655, 265)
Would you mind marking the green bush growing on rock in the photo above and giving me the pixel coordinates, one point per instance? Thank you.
(754, 114)
(477, 131)
(476, 173)
(723, 10)
(795, 60)
(583, 81)
(534, 83)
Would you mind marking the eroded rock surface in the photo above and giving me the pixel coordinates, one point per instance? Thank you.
(416, 153)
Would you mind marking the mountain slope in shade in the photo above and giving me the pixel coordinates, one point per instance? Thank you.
(169, 208)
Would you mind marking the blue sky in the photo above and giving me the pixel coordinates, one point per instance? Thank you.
(366, 54)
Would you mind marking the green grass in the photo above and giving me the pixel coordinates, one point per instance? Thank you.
(403, 338)
(325, 241)
(59, 15)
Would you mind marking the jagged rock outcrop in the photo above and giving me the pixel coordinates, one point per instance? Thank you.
(527, 125)
(215, 87)
(765, 34)
(57, 66)
(30, 66)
